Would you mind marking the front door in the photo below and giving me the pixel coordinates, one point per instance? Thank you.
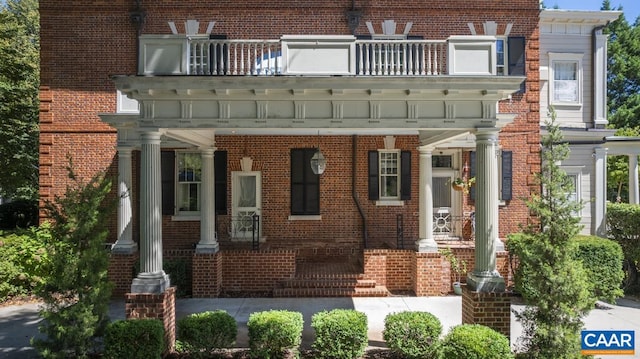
(246, 201)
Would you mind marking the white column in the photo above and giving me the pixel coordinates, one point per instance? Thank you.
(152, 278)
(208, 241)
(426, 243)
(600, 80)
(124, 243)
(633, 180)
(485, 277)
(599, 217)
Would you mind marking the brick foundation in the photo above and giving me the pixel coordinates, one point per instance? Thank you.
(490, 309)
(121, 272)
(428, 276)
(207, 275)
(155, 306)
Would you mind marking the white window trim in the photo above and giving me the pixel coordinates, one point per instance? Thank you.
(576, 171)
(565, 57)
(390, 201)
(185, 215)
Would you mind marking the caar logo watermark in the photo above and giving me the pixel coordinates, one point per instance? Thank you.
(599, 342)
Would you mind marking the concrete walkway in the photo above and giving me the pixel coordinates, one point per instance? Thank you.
(19, 323)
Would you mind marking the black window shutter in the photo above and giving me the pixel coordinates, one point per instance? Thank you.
(516, 55)
(305, 185)
(472, 173)
(374, 189)
(167, 175)
(220, 168)
(405, 175)
(507, 175)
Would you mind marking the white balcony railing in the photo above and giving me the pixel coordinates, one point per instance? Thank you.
(315, 55)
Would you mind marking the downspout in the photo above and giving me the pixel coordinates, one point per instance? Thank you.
(137, 17)
(594, 33)
(354, 192)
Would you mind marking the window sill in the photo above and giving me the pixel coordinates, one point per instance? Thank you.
(389, 203)
(305, 217)
(567, 105)
(180, 218)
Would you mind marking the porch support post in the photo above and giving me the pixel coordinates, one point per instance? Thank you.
(599, 218)
(124, 243)
(485, 277)
(634, 197)
(208, 241)
(426, 243)
(152, 278)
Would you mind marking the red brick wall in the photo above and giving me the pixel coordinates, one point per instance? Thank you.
(247, 271)
(490, 309)
(207, 275)
(155, 306)
(428, 276)
(391, 268)
(83, 44)
(121, 273)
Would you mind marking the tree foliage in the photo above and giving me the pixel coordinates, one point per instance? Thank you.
(552, 282)
(19, 105)
(623, 82)
(76, 291)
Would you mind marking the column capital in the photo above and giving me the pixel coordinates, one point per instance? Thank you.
(426, 149)
(207, 151)
(151, 136)
(487, 133)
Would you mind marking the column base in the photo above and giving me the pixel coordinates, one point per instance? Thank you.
(426, 246)
(124, 248)
(486, 283)
(151, 285)
(202, 248)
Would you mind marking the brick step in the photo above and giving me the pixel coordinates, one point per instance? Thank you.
(328, 283)
(377, 291)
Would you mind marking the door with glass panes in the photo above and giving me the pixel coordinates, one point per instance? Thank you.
(446, 219)
(246, 202)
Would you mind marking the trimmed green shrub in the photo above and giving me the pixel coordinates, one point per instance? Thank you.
(274, 331)
(340, 334)
(21, 213)
(134, 339)
(602, 259)
(412, 334)
(474, 341)
(623, 226)
(207, 331)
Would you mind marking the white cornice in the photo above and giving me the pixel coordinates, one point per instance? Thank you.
(585, 17)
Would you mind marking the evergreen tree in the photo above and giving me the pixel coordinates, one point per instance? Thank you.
(19, 104)
(77, 292)
(553, 284)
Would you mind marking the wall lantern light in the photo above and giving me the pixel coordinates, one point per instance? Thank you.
(318, 162)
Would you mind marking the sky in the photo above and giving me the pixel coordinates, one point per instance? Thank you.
(631, 8)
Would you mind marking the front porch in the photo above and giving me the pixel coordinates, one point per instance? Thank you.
(281, 273)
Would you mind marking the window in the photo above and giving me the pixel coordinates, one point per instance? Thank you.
(574, 177)
(565, 76)
(181, 174)
(189, 166)
(389, 175)
(305, 185)
(510, 54)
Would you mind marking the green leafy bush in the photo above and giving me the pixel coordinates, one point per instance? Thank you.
(22, 213)
(412, 334)
(23, 261)
(76, 290)
(274, 331)
(623, 226)
(340, 333)
(602, 259)
(134, 339)
(207, 331)
(474, 341)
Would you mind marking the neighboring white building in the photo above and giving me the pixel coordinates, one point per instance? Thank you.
(573, 81)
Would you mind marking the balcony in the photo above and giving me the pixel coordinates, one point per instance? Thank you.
(316, 55)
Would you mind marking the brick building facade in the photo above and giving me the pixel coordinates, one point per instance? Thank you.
(92, 52)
